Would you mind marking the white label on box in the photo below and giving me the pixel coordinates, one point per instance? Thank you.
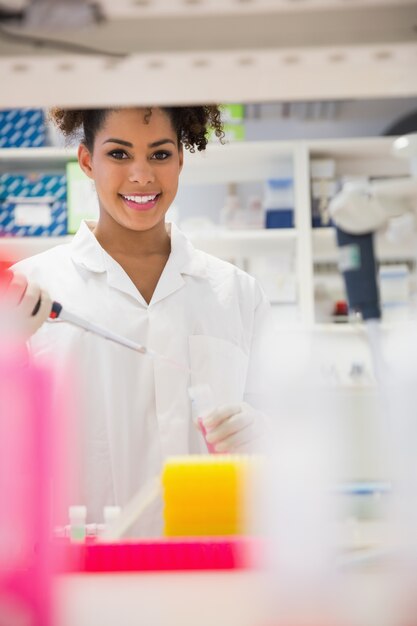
(32, 214)
(394, 284)
(349, 258)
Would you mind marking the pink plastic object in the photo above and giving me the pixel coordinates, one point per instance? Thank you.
(160, 555)
(25, 475)
(210, 446)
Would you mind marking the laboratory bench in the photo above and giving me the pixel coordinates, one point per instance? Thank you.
(240, 592)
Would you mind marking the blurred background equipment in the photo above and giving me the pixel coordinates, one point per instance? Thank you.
(358, 211)
(50, 15)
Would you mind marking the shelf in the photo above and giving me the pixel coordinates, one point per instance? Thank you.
(244, 243)
(263, 236)
(363, 147)
(33, 155)
(35, 159)
(372, 156)
(244, 74)
(177, 8)
(216, 51)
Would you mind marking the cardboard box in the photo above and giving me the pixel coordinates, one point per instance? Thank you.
(22, 128)
(33, 205)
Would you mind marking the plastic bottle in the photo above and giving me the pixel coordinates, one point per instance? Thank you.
(230, 214)
(255, 213)
(279, 203)
(202, 403)
(110, 513)
(78, 526)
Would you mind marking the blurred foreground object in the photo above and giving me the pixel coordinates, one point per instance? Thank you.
(32, 462)
(205, 495)
(26, 459)
(52, 15)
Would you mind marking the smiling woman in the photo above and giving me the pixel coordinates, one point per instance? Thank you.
(138, 276)
(135, 158)
(135, 164)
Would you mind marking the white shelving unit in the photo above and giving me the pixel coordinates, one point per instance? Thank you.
(253, 161)
(216, 50)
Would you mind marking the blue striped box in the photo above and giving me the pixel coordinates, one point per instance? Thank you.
(22, 128)
(33, 205)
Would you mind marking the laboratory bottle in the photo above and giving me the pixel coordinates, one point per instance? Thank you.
(255, 217)
(279, 203)
(231, 214)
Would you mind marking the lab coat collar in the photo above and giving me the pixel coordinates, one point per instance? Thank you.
(183, 260)
(183, 255)
(86, 250)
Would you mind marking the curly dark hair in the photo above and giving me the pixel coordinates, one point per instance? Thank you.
(191, 124)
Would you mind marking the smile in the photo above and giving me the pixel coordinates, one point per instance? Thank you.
(141, 202)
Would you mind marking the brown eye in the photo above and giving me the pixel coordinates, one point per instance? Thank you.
(118, 154)
(161, 155)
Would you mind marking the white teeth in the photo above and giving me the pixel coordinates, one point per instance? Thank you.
(141, 199)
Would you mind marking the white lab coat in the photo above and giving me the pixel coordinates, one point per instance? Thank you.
(134, 411)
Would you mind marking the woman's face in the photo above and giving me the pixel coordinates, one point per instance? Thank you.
(135, 165)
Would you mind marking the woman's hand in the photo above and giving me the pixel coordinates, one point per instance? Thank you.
(24, 306)
(237, 428)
